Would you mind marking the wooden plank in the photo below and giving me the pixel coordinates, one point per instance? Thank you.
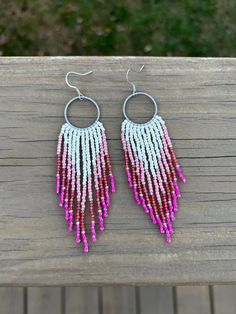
(118, 300)
(156, 300)
(224, 299)
(44, 300)
(193, 300)
(197, 99)
(82, 300)
(11, 300)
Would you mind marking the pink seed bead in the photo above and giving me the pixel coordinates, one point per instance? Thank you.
(129, 178)
(168, 237)
(177, 189)
(70, 226)
(169, 225)
(144, 205)
(160, 225)
(151, 215)
(85, 241)
(100, 221)
(77, 238)
(103, 203)
(58, 184)
(171, 210)
(93, 233)
(175, 206)
(105, 213)
(107, 198)
(180, 173)
(58, 189)
(172, 216)
(61, 203)
(136, 196)
(66, 214)
(112, 184)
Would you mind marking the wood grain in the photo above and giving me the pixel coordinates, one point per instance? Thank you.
(118, 300)
(156, 300)
(12, 301)
(197, 98)
(224, 299)
(193, 300)
(217, 299)
(82, 300)
(44, 300)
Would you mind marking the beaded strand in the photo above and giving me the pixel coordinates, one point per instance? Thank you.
(78, 187)
(152, 169)
(83, 163)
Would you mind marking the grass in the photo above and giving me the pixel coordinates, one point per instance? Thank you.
(100, 27)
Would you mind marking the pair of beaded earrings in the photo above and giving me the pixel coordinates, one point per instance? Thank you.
(83, 169)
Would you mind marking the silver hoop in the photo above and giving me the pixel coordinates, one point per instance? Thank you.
(81, 97)
(136, 94)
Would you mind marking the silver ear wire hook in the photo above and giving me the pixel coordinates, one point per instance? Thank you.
(127, 77)
(134, 94)
(72, 86)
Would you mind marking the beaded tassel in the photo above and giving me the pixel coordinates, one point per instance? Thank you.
(152, 170)
(83, 161)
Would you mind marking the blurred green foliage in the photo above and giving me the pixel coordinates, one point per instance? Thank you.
(118, 27)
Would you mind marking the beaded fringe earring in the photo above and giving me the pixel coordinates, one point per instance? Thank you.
(151, 166)
(83, 165)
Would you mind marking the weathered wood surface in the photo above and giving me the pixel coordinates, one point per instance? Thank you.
(197, 98)
(137, 300)
(193, 300)
(224, 299)
(12, 301)
(156, 300)
(82, 300)
(44, 300)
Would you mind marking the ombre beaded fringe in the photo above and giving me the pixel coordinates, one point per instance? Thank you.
(152, 170)
(83, 168)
